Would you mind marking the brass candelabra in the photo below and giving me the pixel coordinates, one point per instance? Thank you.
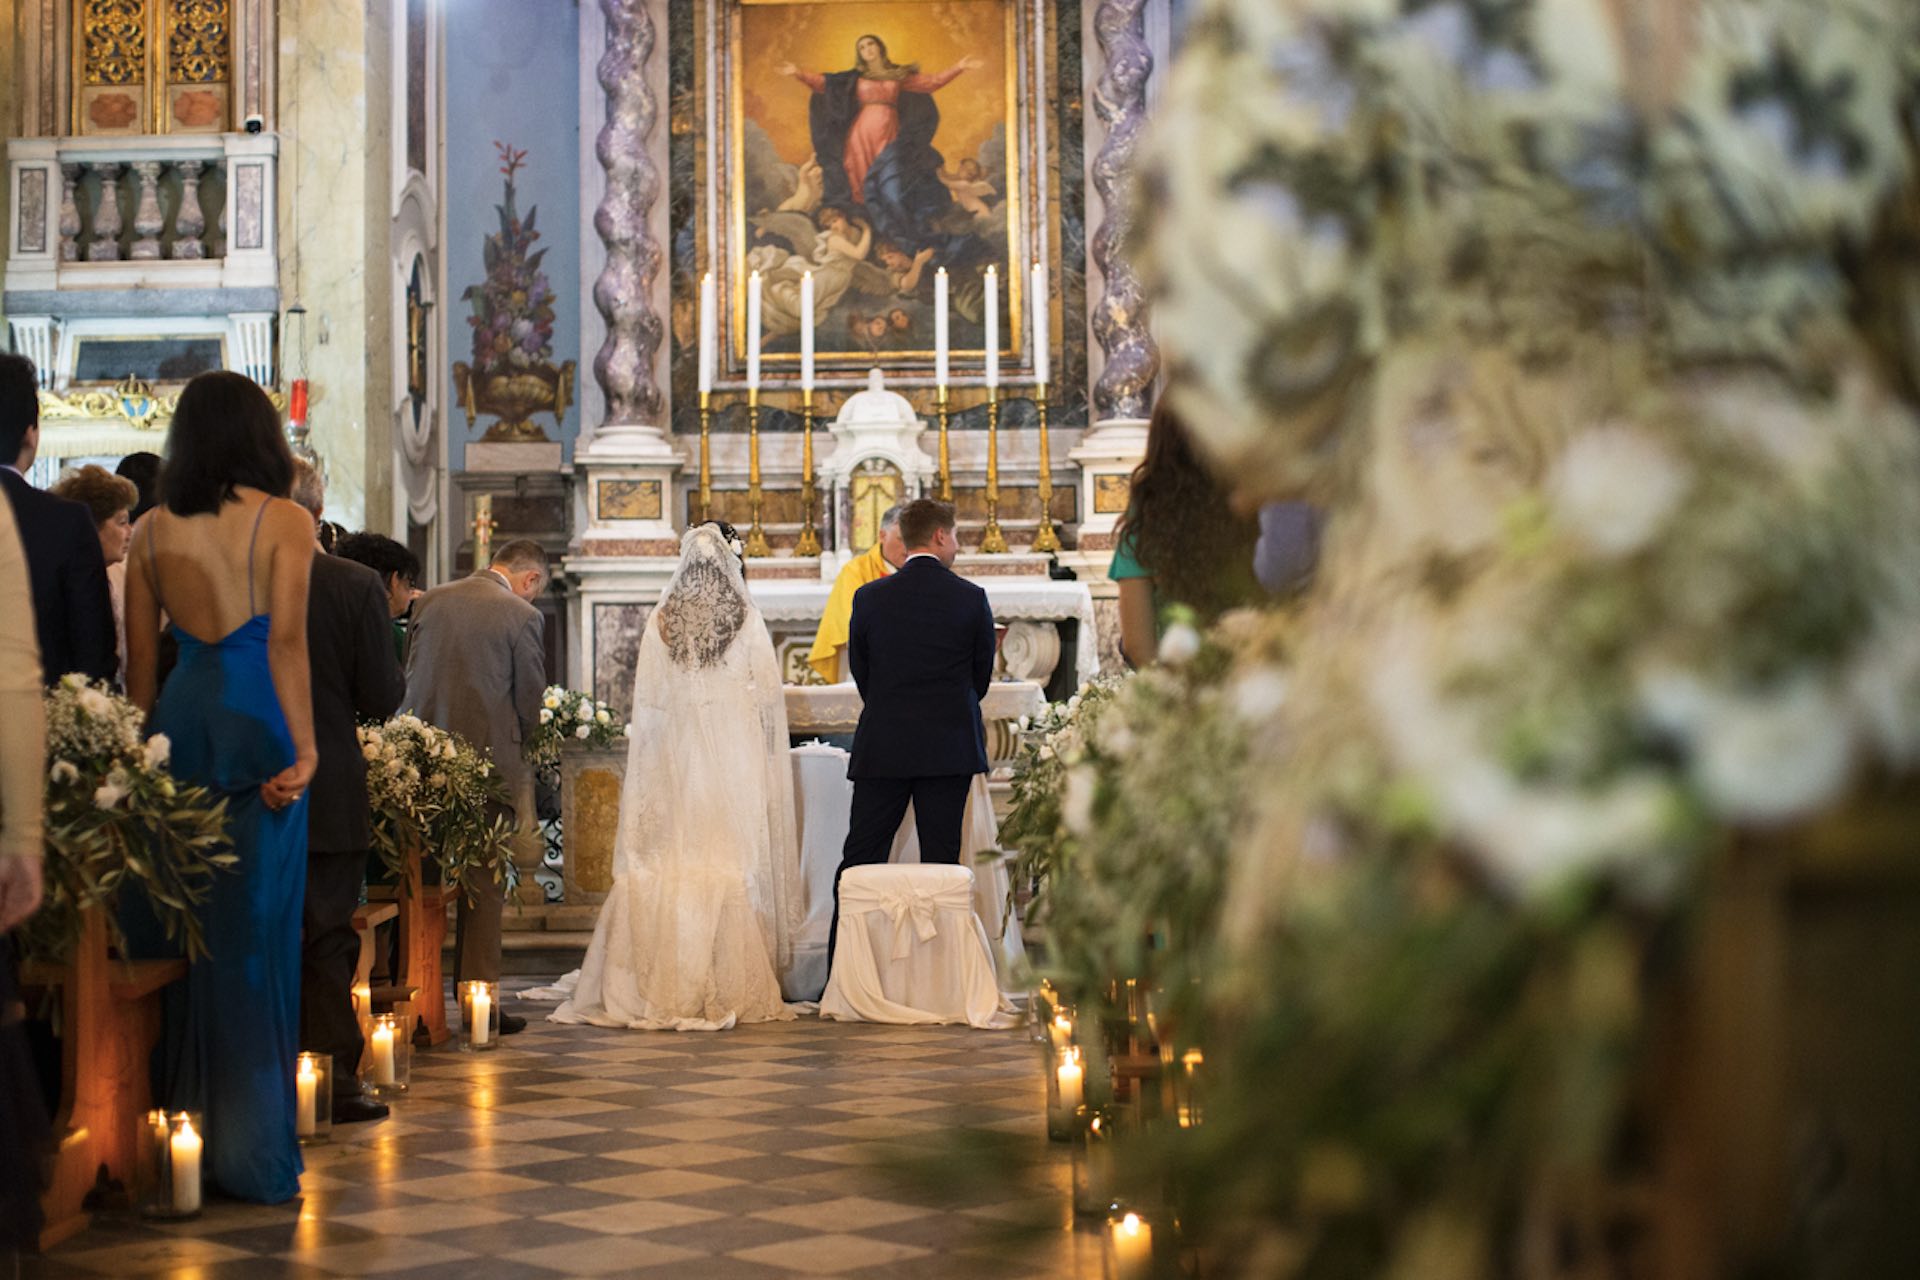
(1045, 540)
(946, 457)
(992, 541)
(809, 543)
(706, 456)
(756, 546)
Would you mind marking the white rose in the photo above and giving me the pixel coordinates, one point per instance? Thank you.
(110, 792)
(582, 731)
(158, 751)
(73, 680)
(1259, 695)
(370, 751)
(1774, 756)
(95, 703)
(448, 751)
(1180, 645)
(437, 780)
(546, 716)
(1024, 723)
(1614, 488)
(550, 702)
(1076, 801)
(64, 771)
(626, 731)
(602, 717)
(1073, 703)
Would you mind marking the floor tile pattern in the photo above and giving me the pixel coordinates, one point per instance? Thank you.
(576, 1151)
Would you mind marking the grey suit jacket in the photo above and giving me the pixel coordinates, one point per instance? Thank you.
(476, 665)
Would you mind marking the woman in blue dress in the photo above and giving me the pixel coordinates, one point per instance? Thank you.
(224, 559)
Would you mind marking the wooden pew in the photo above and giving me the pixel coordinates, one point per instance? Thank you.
(110, 1021)
(422, 923)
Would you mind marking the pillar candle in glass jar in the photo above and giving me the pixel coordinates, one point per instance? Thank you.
(184, 1148)
(1129, 1246)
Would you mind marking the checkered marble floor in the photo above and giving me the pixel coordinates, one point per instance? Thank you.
(766, 1151)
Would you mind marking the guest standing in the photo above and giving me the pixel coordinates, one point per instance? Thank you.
(24, 1131)
(1182, 542)
(73, 612)
(144, 470)
(110, 500)
(228, 559)
(477, 667)
(355, 674)
(921, 651)
(399, 571)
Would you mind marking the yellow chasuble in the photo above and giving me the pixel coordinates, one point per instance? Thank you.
(824, 657)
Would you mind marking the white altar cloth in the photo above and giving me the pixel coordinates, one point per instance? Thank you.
(835, 708)
(824, 798)
(1013, 600)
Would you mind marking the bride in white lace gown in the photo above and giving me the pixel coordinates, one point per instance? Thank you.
(705, 901)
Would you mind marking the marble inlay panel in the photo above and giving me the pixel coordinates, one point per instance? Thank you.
(617, 629)
(33, 211)
(628, 499)
(249, 206)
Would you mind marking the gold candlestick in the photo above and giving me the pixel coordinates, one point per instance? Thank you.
(756, 536)
(992, 541)
(706, 457)
(1045, 540)
(946, 458)
(809, 543)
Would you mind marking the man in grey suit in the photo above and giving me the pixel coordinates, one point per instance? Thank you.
(476, 666)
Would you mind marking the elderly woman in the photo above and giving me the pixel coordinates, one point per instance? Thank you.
(111, 499)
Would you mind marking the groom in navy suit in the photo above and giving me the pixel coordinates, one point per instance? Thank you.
(920, 646)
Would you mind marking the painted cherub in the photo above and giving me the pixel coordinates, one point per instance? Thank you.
(905, 272)
(969, 188)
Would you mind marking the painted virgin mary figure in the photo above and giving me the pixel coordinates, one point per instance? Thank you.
(873, 128)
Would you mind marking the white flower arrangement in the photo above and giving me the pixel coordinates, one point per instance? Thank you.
(435, 795)
(570, 716)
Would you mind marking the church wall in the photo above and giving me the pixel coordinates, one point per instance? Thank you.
(9, 120)
(335, 101)
(512, 78)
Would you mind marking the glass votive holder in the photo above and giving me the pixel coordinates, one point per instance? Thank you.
(1128, 1245)
(1093, 1134)
(1066, 1091)
(1186, 1089)
(313, 1097)
(389, 1057)
(479, 1015)
(172, 1147)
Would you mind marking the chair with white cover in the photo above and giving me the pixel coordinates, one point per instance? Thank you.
(911, 950)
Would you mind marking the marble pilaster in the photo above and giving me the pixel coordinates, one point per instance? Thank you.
(334, 98)
(1131, 359)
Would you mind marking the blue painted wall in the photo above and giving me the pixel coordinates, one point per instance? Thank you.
(512, 76)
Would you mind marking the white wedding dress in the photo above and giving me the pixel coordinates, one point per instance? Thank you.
(700, 921)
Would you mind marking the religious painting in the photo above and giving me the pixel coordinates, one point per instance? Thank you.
(875, 143)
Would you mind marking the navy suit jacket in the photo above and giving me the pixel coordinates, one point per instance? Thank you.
(355, 676)
(921, 648)
(72, 610)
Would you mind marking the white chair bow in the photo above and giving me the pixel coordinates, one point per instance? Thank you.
(914, 913)
(911, 950)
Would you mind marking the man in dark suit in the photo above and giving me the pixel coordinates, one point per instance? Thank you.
(477, 667)
(72, 611)
(920, 647)
(355, 674)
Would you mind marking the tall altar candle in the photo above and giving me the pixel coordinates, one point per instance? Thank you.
(1041, 361)
(940, 327)
(753, 330)
(707, 331)
(806, 332)
(993, 328)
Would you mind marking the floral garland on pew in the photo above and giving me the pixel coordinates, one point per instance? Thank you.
(434, 794)
(115, 816)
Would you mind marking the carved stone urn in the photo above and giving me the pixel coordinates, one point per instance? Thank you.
(514, 396)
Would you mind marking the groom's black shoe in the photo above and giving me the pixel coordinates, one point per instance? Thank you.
(351, 1108)
(510, 1025)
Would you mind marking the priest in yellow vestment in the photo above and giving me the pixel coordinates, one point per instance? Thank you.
(879, 560)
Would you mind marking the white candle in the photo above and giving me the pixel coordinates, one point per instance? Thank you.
(807, 332)
(306, 1083)
(183, 1151)
(708, 330)
(481, 1019)
(1062, 1031)
(383, 1054)
(940, 327)
(1041, 361)
(1072, 1078)
(753, 330)
(1132, 1247)
(993, 328)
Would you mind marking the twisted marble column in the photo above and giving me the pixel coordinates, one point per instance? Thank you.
(1120, 317)
(623, 293)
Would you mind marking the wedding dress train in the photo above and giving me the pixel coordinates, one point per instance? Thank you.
(700, 921)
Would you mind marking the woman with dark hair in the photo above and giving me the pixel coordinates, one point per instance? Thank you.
(873, 128)
(1181, 542)
(110, 500)
(227, 558)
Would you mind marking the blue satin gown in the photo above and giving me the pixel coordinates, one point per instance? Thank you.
(233, 1025)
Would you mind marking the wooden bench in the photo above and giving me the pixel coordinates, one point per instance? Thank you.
(422, 921)
(367, 919)
(110, 1021)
